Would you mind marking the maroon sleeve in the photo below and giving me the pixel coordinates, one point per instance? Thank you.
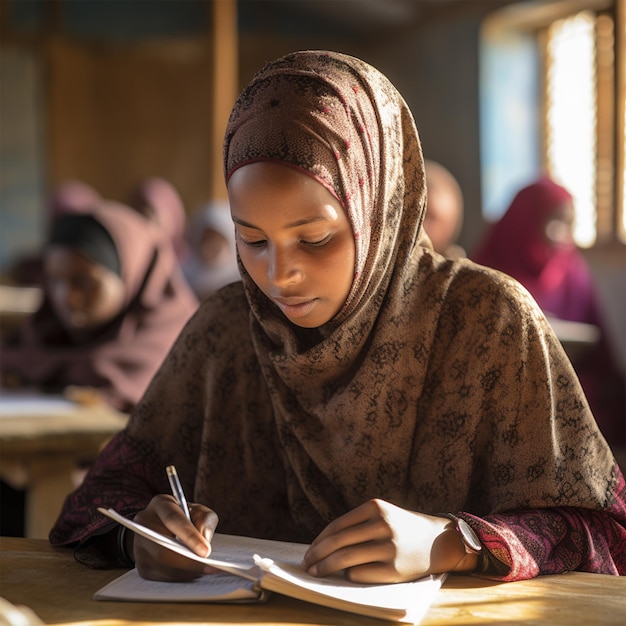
(527, 543)
(124, 477)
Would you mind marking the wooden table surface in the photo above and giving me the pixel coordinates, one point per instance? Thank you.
(28, 433)
(59, 590)
(42, 449)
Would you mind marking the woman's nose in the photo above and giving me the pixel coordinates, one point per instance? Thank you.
(284, 269)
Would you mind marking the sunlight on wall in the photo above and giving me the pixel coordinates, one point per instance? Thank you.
(571, 116)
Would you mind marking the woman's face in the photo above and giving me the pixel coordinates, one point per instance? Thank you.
(84, 294)
(294, 239)
(558, 229)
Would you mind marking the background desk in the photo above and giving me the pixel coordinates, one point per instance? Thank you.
(40, 451)
(575, 337)
(16, 305)
(59, 591)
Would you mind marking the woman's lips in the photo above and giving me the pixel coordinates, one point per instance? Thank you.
(294, 308)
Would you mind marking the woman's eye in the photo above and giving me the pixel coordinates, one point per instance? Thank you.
(319, 242)
(253, 243)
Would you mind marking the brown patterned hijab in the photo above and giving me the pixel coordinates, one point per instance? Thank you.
(341, 121)
(439, 386)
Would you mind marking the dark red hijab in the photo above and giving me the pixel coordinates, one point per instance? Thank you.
(558, 278)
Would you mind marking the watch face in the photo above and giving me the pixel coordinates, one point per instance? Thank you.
(469, 536)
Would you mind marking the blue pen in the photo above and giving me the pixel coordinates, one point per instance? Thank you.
(177, 490)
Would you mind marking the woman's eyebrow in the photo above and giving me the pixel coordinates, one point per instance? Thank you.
(307, 220)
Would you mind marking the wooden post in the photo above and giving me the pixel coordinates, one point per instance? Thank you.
(620, 160)
(224, 37)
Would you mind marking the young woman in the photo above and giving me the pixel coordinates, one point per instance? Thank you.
(115, 301)
(356, 387)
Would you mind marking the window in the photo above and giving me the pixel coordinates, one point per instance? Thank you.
(571, 116)
(571, 122)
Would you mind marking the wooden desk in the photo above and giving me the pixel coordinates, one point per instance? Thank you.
(59, 591)
(16, 305)
(575, 337)
(41, 449)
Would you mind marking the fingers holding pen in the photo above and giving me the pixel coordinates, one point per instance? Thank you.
(164, 515)
(205, 519)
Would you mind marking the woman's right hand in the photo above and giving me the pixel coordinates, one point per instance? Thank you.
(164, 515)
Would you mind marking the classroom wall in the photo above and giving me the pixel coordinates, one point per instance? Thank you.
(114, 96)
(435, 67)
(21, 153)
(123, 97)
(439, 80)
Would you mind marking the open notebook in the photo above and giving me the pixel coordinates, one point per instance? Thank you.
(253, 567)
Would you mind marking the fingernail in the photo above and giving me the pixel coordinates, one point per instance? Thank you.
(313, 570)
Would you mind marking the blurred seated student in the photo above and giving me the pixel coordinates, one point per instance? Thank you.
(158, 200)
(70, 196)
(444, 210)
(211, 261)
(533, 242)
(355, 387)
(114, 302)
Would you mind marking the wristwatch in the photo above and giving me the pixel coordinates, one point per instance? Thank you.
(470, 539)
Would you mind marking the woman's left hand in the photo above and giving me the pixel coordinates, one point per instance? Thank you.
(379, 542)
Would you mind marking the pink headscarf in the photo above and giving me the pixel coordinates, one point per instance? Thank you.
(72, 196)
(169, 212)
